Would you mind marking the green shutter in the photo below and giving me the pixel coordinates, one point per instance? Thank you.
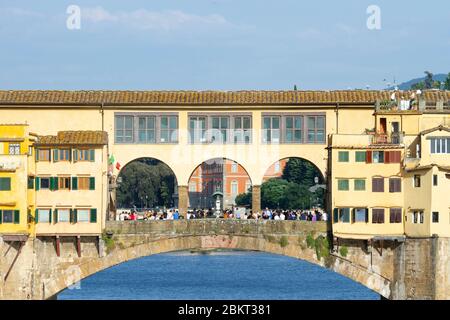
(36, 215)
(91, 183)
(346, 215)
(50, 215)
(16, 216)
(93, 215)
(53, 183)
(92, 155)
(38, 183)
(55, 212)
(343, 156)
(71, 216)
(74, 183)
(335, 215)
(37, 154)
(75, 155)
(75, 215)
(1, 216)
(343, 184)
(360, 156)
(55, 155)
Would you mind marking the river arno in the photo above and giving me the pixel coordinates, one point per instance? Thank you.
(229, 275)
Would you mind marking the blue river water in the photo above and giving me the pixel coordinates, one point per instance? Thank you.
(229, 275)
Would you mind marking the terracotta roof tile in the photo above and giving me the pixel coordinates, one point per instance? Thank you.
(206, 97)
(75, 138)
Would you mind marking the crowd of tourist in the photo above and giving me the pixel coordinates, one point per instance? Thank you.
(314, 214)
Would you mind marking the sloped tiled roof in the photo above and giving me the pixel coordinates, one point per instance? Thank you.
(206, 97)
(75, 138)
(438, 128)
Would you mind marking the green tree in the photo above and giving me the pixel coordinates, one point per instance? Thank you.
(301, 172)
(428, 80)
(447, 82)
(272, 193)
(244, 199)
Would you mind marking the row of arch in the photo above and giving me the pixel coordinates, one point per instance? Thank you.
(225, 176)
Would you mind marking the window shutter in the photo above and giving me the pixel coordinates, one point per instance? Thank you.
(37, 154)
(55, 155)
(50, 215)
(52, 184)
(38, 183)
(369, 156)
(367, 215)
(1, 216)
(36, 215)
(55, 212)
(74, 183)
(93, 215)
(75, 155)
(335, 215)
(16, 216)
(387, 156)
(75, 215)
(71, 215)
(91, 183)
(397, 156)
(353, 215)
(92, 155)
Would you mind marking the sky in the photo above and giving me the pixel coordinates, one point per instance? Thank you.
(221, 44)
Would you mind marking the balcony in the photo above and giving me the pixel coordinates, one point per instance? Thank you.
(384, 138)
(420, 105)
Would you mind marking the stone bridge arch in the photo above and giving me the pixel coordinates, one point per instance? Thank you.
(132, 242)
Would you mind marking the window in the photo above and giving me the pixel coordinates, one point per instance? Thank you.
(84, 155)
(435, 179)
(30, 150)
(5, 184)
(197, 129)
(440, 145)
(124, 128)
(242, 129)
(378, 156)
(61, 155)
(360, 184)
(64, 183)
(234, 187)
(392, 156)
(234, 167)
(395, 215)
(377, 215)
(343, 184)
(435, 217)
(43, 215)
(294, 129)
(248, 185)
(14, 148)
(378, 184)
(316, 129)
(146, 130)
(83, 183)
(6, 216)
(192, 187)
(360, 156)
(343, 156)
(360, 215)
(344, 214)
(417, 216)
(277, 167)
(43, 155)
(44, 183)
(63, 215)
(82, 215)
(416, 181)
(169, 129)
(395, 185)
(271, 129)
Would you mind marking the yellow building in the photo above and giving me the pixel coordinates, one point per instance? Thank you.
(410, 148)
(16, 180)
(71, 183)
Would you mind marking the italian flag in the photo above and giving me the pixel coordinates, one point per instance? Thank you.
(111, 162)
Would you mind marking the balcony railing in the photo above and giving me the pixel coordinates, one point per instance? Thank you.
(383, 138)
(421, 105)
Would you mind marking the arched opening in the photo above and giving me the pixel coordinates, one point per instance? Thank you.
(295, 279)
(215, 184)
(293, 183)
(146, 183)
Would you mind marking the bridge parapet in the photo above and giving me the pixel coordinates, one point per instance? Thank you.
(215, 227)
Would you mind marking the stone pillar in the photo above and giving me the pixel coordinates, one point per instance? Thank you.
(183, 197)
(256, 198)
